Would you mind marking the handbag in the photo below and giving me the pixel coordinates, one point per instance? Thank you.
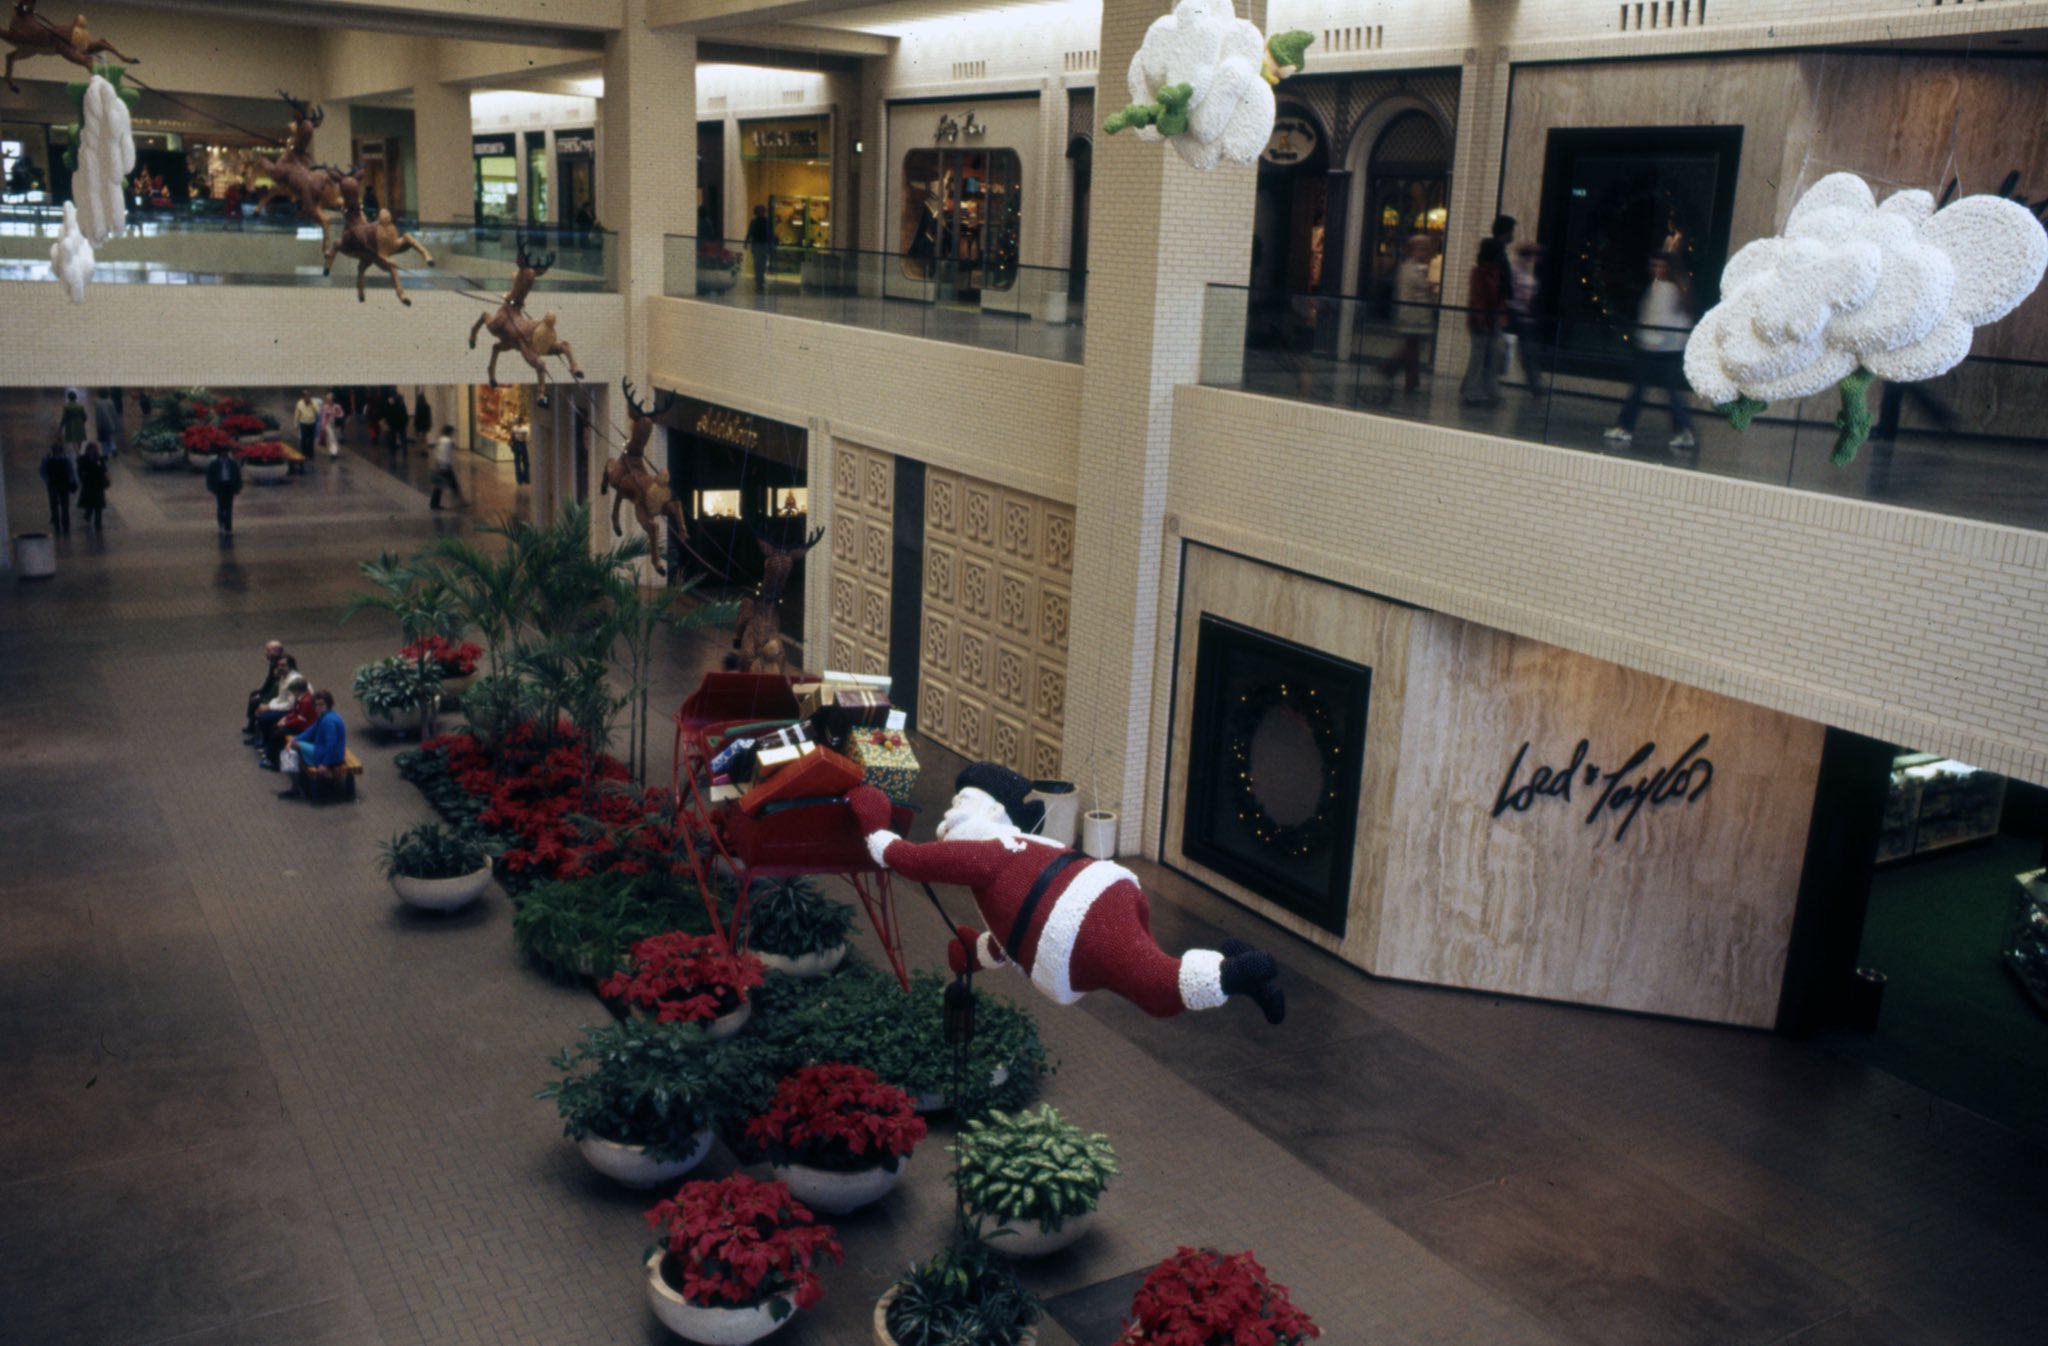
(288, 760)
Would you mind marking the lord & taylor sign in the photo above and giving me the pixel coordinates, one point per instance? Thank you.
(1620, 794)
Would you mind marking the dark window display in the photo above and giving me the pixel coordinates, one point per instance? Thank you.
(961, 216)
(1275, 768)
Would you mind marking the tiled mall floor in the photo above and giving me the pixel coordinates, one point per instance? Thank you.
(249, 1100)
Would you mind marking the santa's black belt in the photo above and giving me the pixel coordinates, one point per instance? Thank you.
(1020, 927)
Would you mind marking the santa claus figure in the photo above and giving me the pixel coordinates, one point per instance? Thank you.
(1070, 923)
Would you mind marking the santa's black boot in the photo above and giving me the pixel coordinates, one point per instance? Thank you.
(1251, 972)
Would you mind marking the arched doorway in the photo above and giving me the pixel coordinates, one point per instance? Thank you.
(1293, 204)
(1407, 192)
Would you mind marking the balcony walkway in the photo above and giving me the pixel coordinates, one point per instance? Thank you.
(252, 1101)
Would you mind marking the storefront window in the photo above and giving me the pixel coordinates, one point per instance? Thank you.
(575, 169)
(960, 217)
(536, 178)
(497, 179)
(788, 167)
(718, 505)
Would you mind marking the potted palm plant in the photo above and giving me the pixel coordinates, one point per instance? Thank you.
(837, 1135)
(437, 868)
(397, 694)
(958, 1295)
(1031, 1180)
(639, 1099)
(688, 979)
(734, 1260)
(794, 929)
(1200, 1297)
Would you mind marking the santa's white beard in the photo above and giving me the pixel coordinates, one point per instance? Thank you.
(976, 816)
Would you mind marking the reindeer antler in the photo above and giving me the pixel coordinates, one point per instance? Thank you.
(664, 399)
(537, 263)
(632, 402)
(813, 539)
(303, 109)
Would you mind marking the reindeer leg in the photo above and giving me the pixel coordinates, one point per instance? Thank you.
(326, 247)
(497, 351)
(100, 44)
(562, 349)
(476, 327)
(617, 500)
(540, 375)
(12, 57)
(362, 265)
(418, 247)
(396, 284)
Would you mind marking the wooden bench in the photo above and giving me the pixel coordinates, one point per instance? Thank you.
(312, 781)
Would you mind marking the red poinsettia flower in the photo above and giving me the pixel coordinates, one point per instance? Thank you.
(837, 1116)
(740, 1242)
(272, 452)
(456, 661)
(682, 978)
(242, 423)
(1199, 1297)
(206, 439)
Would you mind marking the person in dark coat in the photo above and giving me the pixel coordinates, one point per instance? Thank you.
(224, 479)
(395, 419)
(60, 479)
(93, 480)
(422, 415)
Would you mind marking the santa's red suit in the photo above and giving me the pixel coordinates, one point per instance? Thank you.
(1087, 927)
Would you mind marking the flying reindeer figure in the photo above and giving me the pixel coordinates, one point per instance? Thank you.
(364, 240)
(516, 330)
(757, 634)
(316, 188)
(30, 34)
(633, 478)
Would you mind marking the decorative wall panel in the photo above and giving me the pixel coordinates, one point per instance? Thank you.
(998, 583)
(862, 526)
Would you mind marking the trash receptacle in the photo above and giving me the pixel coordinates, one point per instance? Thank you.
(1062, 809)
(35, 556)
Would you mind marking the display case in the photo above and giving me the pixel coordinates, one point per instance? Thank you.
(2026, 942)
(1936, 802)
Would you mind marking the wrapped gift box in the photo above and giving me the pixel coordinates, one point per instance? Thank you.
(810, 696)
(772, 761)
(863, 706)
(887, 761)
(818, 773)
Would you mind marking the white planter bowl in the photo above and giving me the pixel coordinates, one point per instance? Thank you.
(453, 688)
(936, 1102)
(1019, 1238)
(198, 462)
(441, 894)
(713, 1326)
(158, 462)
(407, 723)
(268, 474)
(837, 1193)
(634, 1167)
(804, 966)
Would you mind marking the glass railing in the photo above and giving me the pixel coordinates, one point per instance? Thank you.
(1969, 443)
(212, 247)
(1028, 310)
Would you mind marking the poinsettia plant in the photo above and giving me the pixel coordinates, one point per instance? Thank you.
(739, 1242)
(231, 405)
(839, 1117)
(242, 423)
(683, 978)
(206, 439)
(272, 452)
(1200, 1297)
(456, 660)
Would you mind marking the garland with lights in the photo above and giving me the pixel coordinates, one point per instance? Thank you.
(1303, 839)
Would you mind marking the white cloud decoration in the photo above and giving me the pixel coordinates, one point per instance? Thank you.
(72, 257)
(106, 156)
(1855, 290)
(1203, 79)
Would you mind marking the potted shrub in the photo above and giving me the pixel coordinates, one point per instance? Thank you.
(961, 1294)
(794, 929)
(1031, 1180)
(161, 445)
(687, 979)
(588, 926)
(734, 1259)
(397, 693)
(837, 1135)
(201, 442)
(245, 426)
(1200, 1297)
(454, 661)
(639, 1100)
(438, 868)
(264, 462)
(718, 268)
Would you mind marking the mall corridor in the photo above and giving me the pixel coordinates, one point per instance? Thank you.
(254, 1101)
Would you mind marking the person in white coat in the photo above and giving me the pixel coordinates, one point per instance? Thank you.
(1663, 320)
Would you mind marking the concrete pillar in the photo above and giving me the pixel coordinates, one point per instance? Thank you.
(650, 154)
(1160, 234)
(447, 174)
(331, 143)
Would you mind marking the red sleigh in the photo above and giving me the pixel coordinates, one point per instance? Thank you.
(787, 838)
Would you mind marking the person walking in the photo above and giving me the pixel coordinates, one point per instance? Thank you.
(761, 243)
(93, 480)
(107, 424)
(71, 425)
(306, 412)
(60, 479)
(396, 419)
(224, 479)
(1484, 313)
(1662, 320)
(1521, 304)
(444, 468)
(1414, 313)
(516, 437)
(422, 415)
(332, 414)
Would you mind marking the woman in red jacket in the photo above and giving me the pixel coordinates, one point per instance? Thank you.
(1485, 314)
(300, 716)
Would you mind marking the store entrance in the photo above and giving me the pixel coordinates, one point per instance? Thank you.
(1949, 988)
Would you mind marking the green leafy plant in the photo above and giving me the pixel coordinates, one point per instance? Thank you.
(961, 1296)
(1032, 1167)
(397, 686)
(637, 1083)
(159, 438)
(793, 917)
(592, 923)
(431, 851)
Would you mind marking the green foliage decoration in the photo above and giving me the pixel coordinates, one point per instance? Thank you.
(587, 926)
(431, 851)
(640, 1083)
(397, 685)
(793, 917)
(961, 1296)
(1034, 1167)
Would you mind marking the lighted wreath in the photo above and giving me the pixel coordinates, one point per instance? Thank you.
(1303, 839)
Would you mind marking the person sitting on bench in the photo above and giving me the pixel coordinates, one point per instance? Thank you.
(321, 748)
(273, 678)
(295, 720)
